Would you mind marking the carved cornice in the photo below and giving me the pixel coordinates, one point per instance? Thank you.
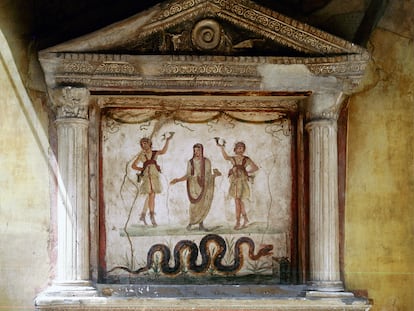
(349, 70)
(132, 72)
(70, 102)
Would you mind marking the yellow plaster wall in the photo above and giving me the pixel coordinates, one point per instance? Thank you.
(24, 192)
(379, 220)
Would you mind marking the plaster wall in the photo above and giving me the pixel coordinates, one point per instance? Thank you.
(379, 214)
(24, 192)
(15, 20)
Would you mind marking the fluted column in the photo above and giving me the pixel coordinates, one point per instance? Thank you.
(73, 190)
(323, 193)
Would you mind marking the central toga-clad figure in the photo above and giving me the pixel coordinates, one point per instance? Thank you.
(200, 186)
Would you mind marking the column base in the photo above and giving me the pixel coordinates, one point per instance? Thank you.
(71, 289)
(325, 286)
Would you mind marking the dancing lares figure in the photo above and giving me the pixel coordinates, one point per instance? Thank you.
(239, 174)
(149, 175)
(200, 186)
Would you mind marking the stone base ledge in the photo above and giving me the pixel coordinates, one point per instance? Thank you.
(142, 298)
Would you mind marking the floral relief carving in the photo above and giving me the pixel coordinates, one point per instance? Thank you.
(338, 68)
(71, 102)
(108, 67)
(209, 69)
(115, 68)
(78, 67)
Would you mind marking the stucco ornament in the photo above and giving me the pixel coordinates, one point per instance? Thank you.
(206, 34)
(70, 102)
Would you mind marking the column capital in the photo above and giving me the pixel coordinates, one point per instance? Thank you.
(320, 122)
(70, 102)
(324, 105)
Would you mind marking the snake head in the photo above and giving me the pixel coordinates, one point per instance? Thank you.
(266, 250)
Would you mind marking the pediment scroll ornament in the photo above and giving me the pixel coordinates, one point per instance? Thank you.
(206, 36)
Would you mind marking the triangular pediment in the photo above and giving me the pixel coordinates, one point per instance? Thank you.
(210, 27)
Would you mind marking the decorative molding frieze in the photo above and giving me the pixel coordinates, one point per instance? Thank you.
(155, 83)
(115, 68)
(103, 68)
(277, 104)
(175, 8)
(78, 67)
(220, 69)
(358, 61)
(355, 67)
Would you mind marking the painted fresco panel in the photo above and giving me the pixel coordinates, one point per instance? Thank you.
(194, 210)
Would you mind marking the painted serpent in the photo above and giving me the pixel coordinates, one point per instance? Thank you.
(206, 257)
